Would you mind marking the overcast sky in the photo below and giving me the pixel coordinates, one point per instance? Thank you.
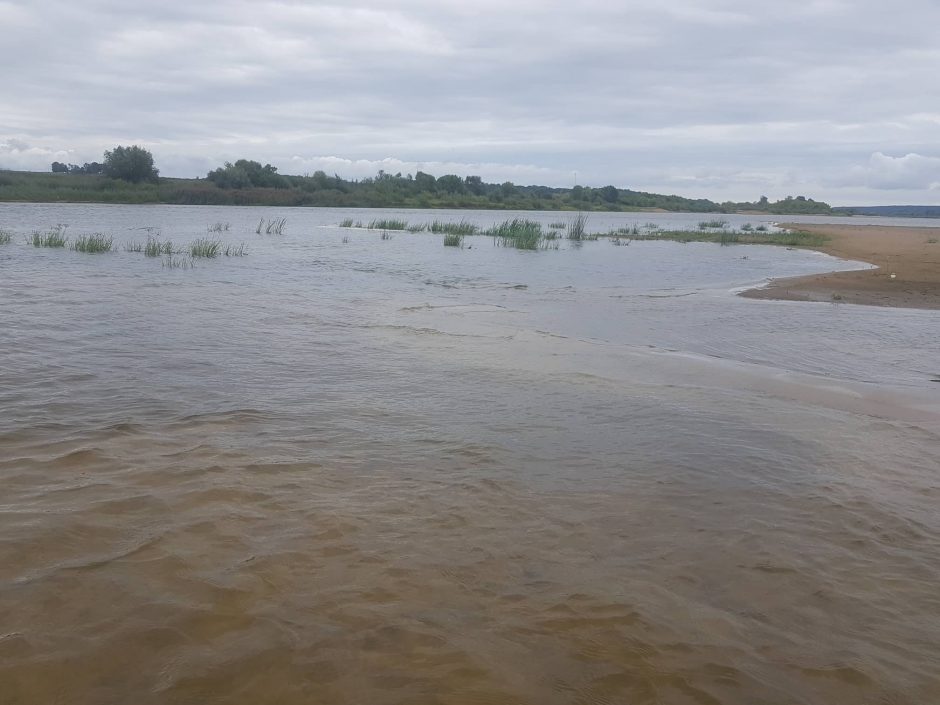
(726, 99)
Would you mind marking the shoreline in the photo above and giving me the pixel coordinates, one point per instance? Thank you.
(905, 252)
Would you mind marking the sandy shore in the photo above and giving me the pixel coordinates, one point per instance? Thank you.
(907, 253)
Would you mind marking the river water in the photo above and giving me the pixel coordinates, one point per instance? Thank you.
(386, 471)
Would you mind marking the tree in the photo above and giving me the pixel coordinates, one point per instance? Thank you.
(59, 168)
(134, 164)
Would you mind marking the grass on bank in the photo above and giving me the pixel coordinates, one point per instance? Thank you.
(787, 238)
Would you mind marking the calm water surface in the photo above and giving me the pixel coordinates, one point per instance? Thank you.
(385, 471)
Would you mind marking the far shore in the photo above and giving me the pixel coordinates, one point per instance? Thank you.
(906, 274)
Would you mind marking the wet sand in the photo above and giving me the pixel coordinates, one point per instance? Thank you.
(907, 253)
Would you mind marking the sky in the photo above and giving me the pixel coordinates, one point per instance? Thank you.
(722, 99)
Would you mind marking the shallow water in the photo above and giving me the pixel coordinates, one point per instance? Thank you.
(385, 471)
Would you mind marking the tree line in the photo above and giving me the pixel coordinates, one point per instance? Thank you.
(248, 182)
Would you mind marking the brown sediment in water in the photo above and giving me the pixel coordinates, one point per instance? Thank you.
(906, 253)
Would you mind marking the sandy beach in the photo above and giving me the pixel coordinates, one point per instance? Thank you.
(912, 255)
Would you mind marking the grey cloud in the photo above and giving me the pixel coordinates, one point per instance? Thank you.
(725, 98)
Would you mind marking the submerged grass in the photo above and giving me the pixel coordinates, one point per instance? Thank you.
(173, 262)
(53, 238)
(388, 224)
(93, 243)
(204, 247)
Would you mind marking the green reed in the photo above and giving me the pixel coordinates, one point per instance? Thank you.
(453, 240)
(388, 224)
(156, 248)
(93, 243)
(204, 247)
(53, 238)
(464, 227)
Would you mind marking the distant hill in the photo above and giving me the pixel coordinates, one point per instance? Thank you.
(890, 211)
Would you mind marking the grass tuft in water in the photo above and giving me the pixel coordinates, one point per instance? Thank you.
(464, 227)
(576, 227)
(388, 224)
(712, 224)
(156, 248)
(346, 223)
(235, 250)
(53, 238)
(417, 228)
(521, 233)
(136, 247)
(93, 243)
(558, 225)
(204, 247)
(5, 237)
(275, 226)
(747, 227)
(386, 235)
(218, 227)
(453, 240)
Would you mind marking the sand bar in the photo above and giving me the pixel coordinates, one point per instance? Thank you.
(912, 255)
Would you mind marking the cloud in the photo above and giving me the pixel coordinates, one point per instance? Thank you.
(910, 172)
(724, 97)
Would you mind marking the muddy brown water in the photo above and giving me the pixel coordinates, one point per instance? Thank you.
(384, 471)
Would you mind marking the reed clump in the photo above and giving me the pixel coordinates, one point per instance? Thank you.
(273, 226)
(712, 224)
(218, 227)
(346, 223)
(204, 247)
(453, 240)
(464, 227)
(52, 238)
(93, 243)
(576, 228)
(521, 233)
(388, 224)
(5, 237)
(238, 250)
(156, 248)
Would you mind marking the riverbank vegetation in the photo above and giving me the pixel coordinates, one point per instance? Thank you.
(246, 182)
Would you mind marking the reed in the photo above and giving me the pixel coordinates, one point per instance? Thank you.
(204, 247)
(235, 250)
(521, 233)
(712, 224)
(53, 238)
(275, 226)
(388, 224)
(464, 227)
(93, 243)
(557, 225)
(453, 240)
(156, 248)
(346, 223)
(576, 228)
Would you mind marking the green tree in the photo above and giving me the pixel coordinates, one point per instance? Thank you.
(134, 164)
